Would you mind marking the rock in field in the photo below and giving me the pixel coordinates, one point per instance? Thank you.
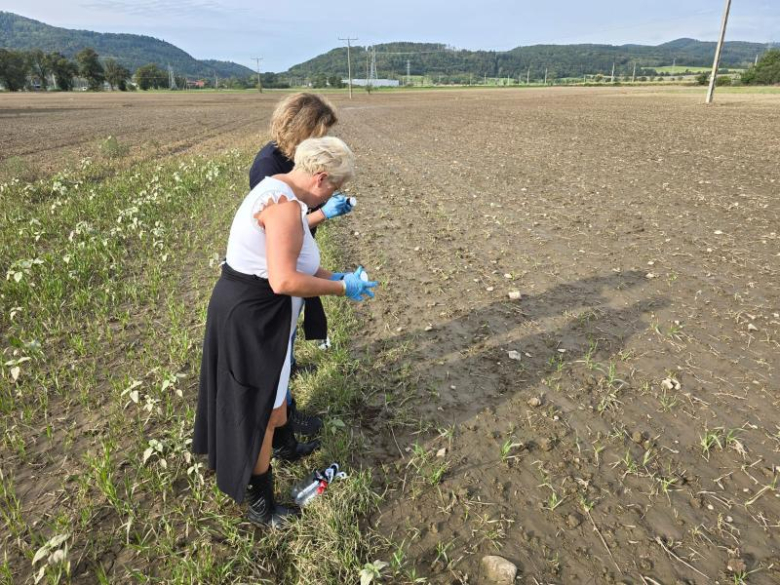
(737, 566)
(499, 570)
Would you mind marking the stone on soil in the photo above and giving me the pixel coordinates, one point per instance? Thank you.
(736, 566)
(499, 570)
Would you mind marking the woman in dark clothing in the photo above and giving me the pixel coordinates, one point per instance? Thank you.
(298, 117)
(272, 263)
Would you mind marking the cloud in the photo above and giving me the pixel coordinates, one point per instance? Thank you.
(157, 8)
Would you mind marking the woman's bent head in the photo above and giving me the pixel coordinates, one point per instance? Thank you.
(329, 155)
(300, 116)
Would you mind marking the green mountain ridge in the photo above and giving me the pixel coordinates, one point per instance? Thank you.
(130, 50)
(431, 59)
(435, 59)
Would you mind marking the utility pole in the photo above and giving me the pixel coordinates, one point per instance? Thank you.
(716, 62)
(349, 62)
(545, 75)
(612, 79)
(171, 78)
(408, 72)
(528, 77)
(259, 84)
(216, 81)
(633, 75)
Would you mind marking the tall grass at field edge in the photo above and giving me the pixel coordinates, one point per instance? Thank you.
(106, 280)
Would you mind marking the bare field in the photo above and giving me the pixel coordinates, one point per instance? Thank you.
(51, 130)
(618, 423)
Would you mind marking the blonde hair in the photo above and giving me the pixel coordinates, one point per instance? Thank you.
(329, 155)
(300, 116)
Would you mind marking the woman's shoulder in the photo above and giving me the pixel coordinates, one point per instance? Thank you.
(271, 190)
(269, 161)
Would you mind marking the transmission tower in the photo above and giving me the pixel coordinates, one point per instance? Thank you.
(259, 84)
(171, 78)
(372, 73)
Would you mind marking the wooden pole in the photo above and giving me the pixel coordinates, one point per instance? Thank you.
(716, 62)
(349, 63)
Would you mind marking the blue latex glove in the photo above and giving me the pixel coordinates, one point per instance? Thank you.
(357, 288)
(337, 276)
(337, 205)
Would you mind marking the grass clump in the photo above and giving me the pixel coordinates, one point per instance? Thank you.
(112, 148)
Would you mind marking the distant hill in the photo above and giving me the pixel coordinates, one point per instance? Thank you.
(132, 51)
(560, 60)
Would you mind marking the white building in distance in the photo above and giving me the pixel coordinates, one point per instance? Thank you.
(374, 82)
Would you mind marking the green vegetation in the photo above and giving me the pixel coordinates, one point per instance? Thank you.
(13, 69)
(681, 70)
(151, 77)
(109, 269)
(766, 71)
(116, 75)
(90, 68)
(447, 65)
(131, 51)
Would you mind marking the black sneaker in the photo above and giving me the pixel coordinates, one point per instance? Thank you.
(296, 370)
(287, 447)
(302, 423)
(261, 508)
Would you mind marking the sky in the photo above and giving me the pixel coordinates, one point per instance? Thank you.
(286, 32)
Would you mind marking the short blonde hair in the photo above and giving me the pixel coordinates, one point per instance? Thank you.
(329, 155)
(300, 116)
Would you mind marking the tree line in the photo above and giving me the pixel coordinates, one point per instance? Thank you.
(36, 69)
(393, 60)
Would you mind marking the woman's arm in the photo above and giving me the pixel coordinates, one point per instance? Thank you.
(284, 239)
(315, 218)
(322, 273)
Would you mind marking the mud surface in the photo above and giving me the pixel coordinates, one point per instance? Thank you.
(566, 430)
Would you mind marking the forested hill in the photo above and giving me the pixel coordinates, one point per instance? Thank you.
(559, 60)
(132, 51)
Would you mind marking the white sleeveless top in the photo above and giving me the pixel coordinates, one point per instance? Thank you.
(246, 245)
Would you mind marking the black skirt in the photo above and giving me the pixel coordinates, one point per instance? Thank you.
(247, 333)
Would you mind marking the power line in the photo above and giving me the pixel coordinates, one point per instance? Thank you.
(171, 78)
(372, 74)
(349, 62)
(259, 84)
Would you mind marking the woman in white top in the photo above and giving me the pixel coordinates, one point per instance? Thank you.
(272, 263)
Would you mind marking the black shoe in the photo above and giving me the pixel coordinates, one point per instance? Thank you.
(261, 509)
(302, 423)
(296, 370)
(287, 447)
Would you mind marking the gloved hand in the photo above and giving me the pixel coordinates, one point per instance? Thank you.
(337, 276)
(357, 287)
(337, 205)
